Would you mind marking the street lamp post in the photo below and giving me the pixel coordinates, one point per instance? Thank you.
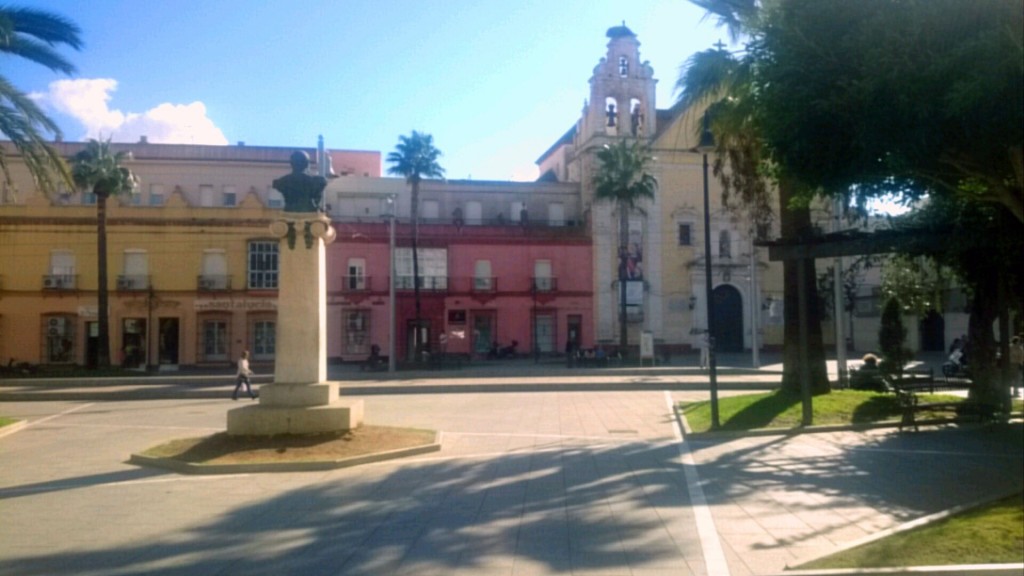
(706, 146)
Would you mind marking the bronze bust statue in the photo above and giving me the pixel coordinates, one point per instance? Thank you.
(302, 192)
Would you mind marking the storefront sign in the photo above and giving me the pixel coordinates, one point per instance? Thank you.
(229, 305)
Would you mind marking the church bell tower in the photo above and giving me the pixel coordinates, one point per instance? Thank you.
(622, 100)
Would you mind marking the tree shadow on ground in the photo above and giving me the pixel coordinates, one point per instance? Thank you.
(562, 507)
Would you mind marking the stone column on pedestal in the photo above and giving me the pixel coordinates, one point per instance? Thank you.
(300, 400)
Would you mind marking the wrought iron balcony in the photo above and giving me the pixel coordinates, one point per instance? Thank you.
(60, 281)
(133, 282)
(213, 282)
(356, 284)
(427, 283)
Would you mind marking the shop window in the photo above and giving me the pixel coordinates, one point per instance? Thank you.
(263, 264)
(214, 340)
(58, 339)
(264, 339)
(357, 332)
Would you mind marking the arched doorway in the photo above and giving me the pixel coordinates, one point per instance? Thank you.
(932, 330)
(728, 319)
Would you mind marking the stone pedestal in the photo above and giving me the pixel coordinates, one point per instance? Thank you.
(300, 401)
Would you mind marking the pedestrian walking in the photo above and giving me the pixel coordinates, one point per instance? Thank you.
(705, 350)
(243, 377)
(1017, 361)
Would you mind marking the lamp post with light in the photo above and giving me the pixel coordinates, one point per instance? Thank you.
(705, 147)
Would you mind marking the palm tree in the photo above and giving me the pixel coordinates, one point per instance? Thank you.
(98, 169)
(414, 159)
(33, 34)
(726, 85)
(622, 178)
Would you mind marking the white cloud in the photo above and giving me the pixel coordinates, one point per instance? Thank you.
(88, 102)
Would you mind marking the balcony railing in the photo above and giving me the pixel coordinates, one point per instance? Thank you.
(356, 283)
(213, 282)
(483, 285)
(133, 282)
(544, 284)
(427, 283)
(60, 281)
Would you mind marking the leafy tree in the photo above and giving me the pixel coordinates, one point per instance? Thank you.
(983, 246)
(33, 34)
(911, 97)
(622, 178)
(414, 159)
(892, 338)
(724, 82)
(918, 282)
(101, 171)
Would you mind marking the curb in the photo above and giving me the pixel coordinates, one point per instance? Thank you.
(145, 392)
(951, 570)
(256, 468)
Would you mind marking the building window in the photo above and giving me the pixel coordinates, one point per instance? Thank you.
(474, 213)
(356, 278)
(156, 194)
(230, 196)
(274, 198)
(263, 339)
(357, 332)
(136, 271)
(263, 265)
(482, 281)
(431, 210)
(214, 271)
(556, 214)
(59, 339)
(206, 196)
(214, 340)
(623, 66)
(88, 198)
(685, 235)
(62, 274)
(433, 268)
(542, 280)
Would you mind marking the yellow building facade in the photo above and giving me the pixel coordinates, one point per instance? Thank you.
(192, 270)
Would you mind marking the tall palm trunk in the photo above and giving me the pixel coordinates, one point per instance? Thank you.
(103, 343)
(796, 222)
(623, 254)
(417, 345)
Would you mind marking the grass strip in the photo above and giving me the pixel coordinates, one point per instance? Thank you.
(5, 421)
(780, 409)
(990, 534)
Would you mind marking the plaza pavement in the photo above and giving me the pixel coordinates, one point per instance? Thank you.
(595, 480)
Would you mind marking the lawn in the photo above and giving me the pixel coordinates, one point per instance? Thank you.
(784, 410)
(5, 421)
(991, 534)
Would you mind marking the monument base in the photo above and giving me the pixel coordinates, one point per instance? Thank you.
(262, 420)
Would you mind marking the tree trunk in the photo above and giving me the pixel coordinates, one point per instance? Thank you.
(103, 342)
(981, 353)
(796, 222)
(417, 345)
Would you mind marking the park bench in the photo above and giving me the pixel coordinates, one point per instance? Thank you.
(374, 364)
(910, 405)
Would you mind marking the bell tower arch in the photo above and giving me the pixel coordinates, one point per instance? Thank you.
(622, 91)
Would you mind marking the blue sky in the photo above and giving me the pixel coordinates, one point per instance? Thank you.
(495, 83)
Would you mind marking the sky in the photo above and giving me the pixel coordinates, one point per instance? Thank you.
(494, 82)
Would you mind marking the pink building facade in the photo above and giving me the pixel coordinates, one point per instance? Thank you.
(499, 263)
